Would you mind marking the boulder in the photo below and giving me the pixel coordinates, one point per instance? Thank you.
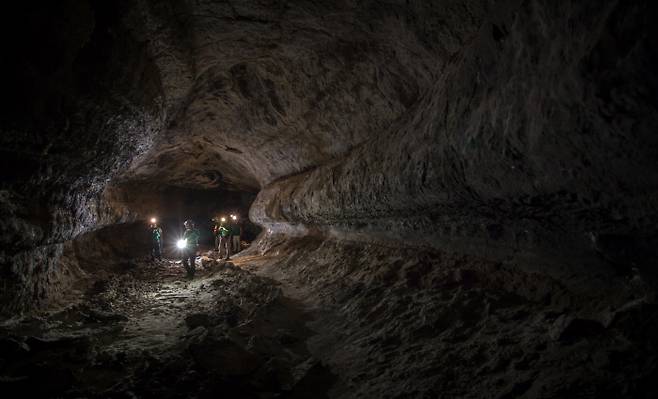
(195, 320)
(224, 357)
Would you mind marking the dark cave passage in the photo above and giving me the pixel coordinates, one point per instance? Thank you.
(172, 205)
(436, 199)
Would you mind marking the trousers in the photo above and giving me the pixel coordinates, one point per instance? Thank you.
(156, 249)
(189, 256)
(235, 244)
(225, 244)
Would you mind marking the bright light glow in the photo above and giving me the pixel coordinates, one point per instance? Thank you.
(181, 244)
(223, 219)
(153, 220)
(234, 217)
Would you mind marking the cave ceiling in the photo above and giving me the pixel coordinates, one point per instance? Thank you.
(255, 91)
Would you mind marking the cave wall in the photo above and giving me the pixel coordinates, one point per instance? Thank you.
(536, 139)
(419, 322)
(248, 93)
(85, 99)
(466, 189)
(498, 240)
(519, 129)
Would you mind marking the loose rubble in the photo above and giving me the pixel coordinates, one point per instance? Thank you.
(152, 333)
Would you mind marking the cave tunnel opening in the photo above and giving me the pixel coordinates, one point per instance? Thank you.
(439, 199)
(169, 207)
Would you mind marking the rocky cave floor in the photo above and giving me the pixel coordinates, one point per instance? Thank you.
(153, 333)
(314, 318)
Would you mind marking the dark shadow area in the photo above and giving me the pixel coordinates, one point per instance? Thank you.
(458, 199)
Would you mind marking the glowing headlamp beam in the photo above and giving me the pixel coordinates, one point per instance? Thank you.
(181, 244)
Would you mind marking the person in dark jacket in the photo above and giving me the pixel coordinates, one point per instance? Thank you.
(189, 245)
(236, 231)
(156, 240)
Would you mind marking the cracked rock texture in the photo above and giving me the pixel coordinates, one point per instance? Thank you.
(424, 323)
(456, 182)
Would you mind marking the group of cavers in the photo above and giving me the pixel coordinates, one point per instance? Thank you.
(227, 240)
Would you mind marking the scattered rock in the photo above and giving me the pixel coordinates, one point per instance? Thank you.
(102, 316)
(287, 337)
(569, 330)
(207, 262)
(224, 357)
(312, 380)
(12, 349)
(195, 320)
(41, 380)
(79, 344)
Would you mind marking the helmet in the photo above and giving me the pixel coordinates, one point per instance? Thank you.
(188, 223)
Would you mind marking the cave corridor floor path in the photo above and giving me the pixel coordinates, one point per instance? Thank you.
(151, 317)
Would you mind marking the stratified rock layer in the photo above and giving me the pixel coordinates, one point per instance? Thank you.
(407, 322)
(537, 137)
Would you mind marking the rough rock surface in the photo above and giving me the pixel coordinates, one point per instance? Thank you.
(535, 137)
(466, 189)
(228, 333)
(85, 99)
(403, 322)
(521, 126)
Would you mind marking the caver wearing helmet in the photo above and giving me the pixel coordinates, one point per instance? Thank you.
(224, 241)
(156, 240)
(217, 224)
(235, 230)
(191, 238)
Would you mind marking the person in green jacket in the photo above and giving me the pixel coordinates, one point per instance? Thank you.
(224, 241)
(156, 240)
(191, 244)
(219, 221)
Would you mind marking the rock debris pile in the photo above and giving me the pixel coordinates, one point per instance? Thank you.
(227, 332)
(403, 322)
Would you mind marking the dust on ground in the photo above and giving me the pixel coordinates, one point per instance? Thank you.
(151, 332)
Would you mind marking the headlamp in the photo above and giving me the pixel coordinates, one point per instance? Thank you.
(153, 220)
(181, 244)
